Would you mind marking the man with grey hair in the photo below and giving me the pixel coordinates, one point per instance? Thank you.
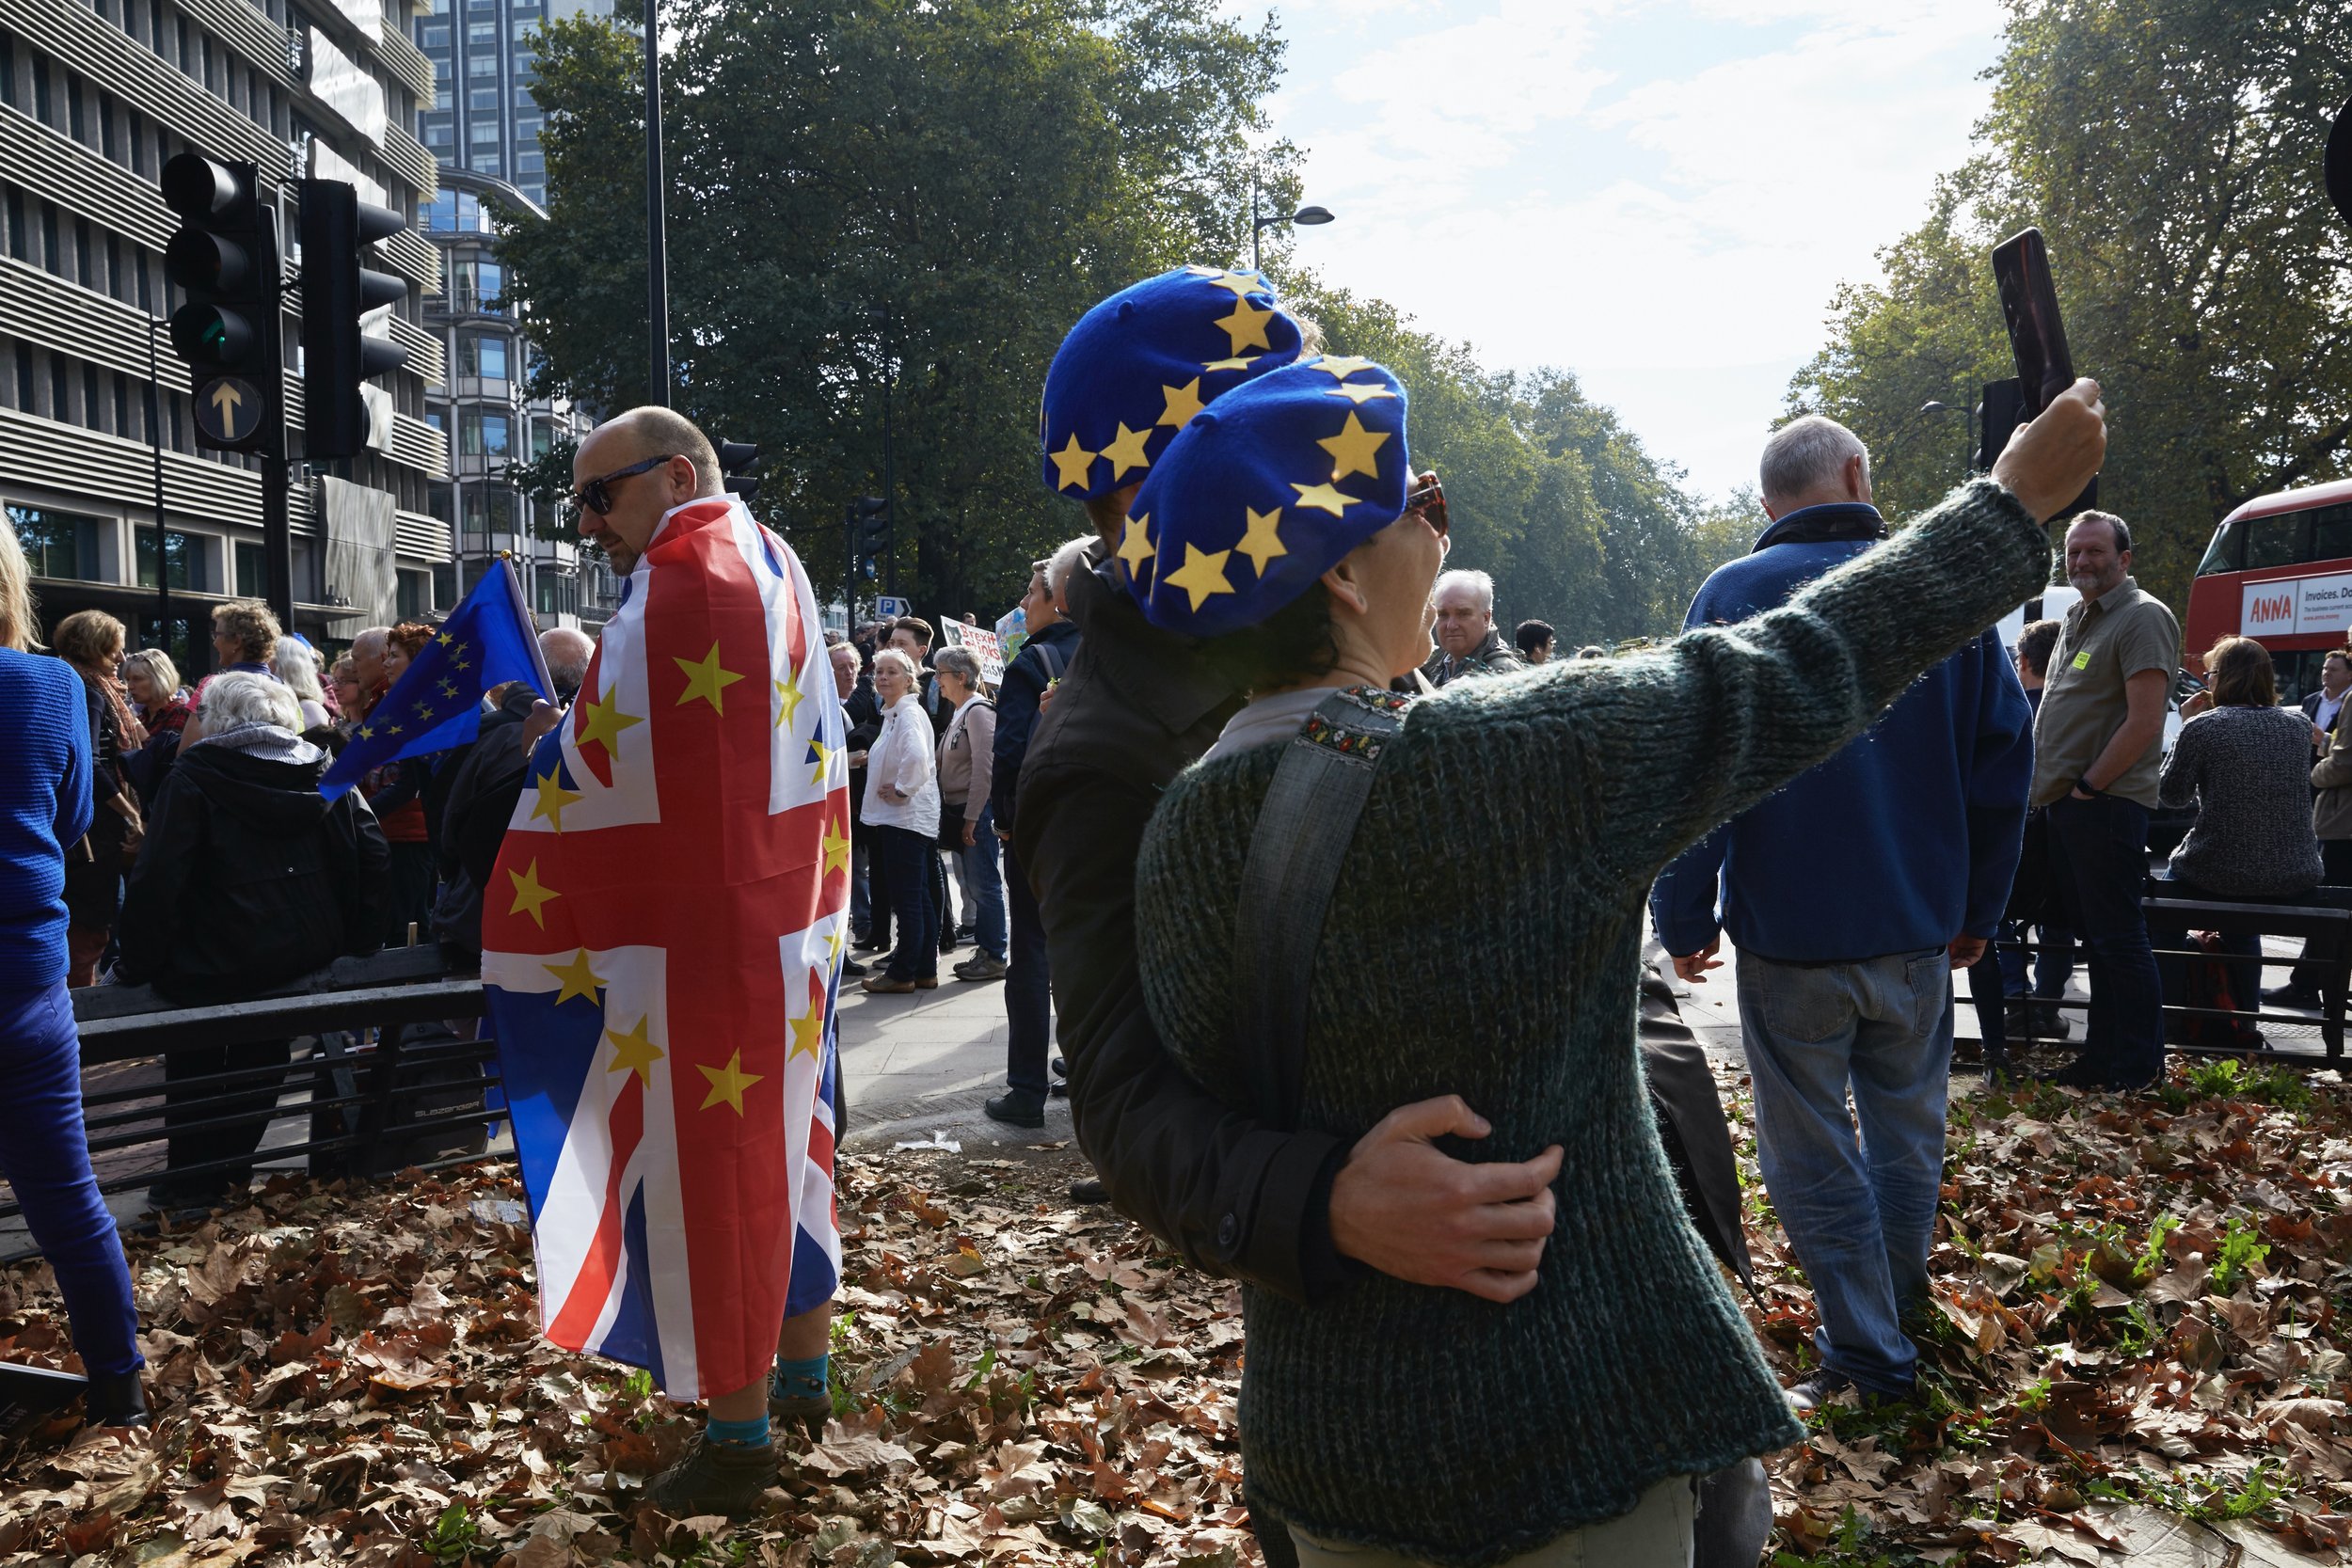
(367, 662)
(566, 653)
(1021, 694)
(1846, 958)
(1469, 642)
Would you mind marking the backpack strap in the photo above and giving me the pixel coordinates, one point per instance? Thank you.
(1295, 851)
(1051, 657)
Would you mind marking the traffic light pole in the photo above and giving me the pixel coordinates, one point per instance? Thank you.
(156, 443)
(848, 581)
(656, 233)
(277, 537)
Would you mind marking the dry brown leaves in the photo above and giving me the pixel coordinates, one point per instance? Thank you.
(2134, 1297)
(350, 1375)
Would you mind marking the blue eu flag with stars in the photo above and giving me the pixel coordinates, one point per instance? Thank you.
(436, 703)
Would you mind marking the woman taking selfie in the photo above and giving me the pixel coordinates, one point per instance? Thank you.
(45, 809)
(1565, 1418)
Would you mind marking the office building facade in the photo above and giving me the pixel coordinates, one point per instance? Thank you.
(95, 96)
(484, 126)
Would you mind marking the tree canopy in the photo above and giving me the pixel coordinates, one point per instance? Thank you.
(888, 206)
(2171, 152)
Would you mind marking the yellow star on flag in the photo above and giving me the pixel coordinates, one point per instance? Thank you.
(604, 721)
(392, 729)
(530, 895)
(1071, 463)
(1126, 451)
(835, 845)
(787, 702)
(1202, 574)
(1237, 363)
(822, 755)
(727, 1082)
(423, 711)
(808, 1034)
(1134, 545)
(367, 731)
(1342, 366)
(1359, 392)
(633, 1052)
(833, 945)
(445, 640)
(1246, 325)
(553, 797)
(1332, 500)
(580, 978)
(1354, 450)
(1183, 402)
(1263, 542)
(705, 679)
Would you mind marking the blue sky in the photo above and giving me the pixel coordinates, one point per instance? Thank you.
(1660, 198)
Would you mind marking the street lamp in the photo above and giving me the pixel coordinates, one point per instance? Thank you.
(1259, 225)
(1968, 428)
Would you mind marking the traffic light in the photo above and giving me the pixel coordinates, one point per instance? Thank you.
(869, 529)
(336, 292)
(225, 260)
(736, 459)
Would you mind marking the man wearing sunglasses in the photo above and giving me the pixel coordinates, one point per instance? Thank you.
(646, 473)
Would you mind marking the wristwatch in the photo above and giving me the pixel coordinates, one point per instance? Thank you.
(2084, 785)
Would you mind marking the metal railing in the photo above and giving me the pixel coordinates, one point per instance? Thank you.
(369, 1103)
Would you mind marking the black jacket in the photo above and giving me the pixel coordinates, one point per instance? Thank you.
(1044, 659)
(250, 878)
(863, 709)
(1230, 1194)
(485, 782)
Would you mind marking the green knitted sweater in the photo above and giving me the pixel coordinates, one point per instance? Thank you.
(1485, 939)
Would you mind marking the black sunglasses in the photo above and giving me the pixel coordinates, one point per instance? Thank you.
(594, 497)
(1428, 499)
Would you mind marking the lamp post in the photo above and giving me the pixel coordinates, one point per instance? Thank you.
(657, 235)
(1968, 429)
(1259, 224)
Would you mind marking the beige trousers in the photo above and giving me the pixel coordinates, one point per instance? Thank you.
(1656, 1534)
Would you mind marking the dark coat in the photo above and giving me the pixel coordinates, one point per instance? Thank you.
(1044, 659)
(1230, 1194)
(1494, 656)
(485, 782)
(250, 878)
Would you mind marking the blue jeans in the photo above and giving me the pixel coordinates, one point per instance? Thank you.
(984, 887)
(45, 1153)
(1028, 991)
(2051, 971)
(909, 862)
(1859, 1208)
(2099, 853)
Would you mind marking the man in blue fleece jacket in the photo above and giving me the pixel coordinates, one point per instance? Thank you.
(1851, 896)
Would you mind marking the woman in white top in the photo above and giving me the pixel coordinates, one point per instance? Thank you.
(901, 809)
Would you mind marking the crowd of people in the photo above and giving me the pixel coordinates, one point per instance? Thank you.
(1256, 730)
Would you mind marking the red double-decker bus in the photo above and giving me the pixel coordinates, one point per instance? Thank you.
(2280, 571)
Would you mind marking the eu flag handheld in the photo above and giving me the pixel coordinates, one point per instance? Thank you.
(437, 704)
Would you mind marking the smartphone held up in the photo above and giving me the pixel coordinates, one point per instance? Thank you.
(2037, 341)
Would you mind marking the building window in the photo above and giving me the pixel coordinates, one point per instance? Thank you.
(122, 404)
(24, 377)
(434, 36)
(529, 163)
(436, 133)
(185, 553)
(57, 543)
(482, 101)
(60, 400)
(85, 253)
(483, 130)
(252, 574)
(77, 122)
(19, 237)
(415, 596)
(481, 435)
(485, 34)
(482, 65)
(485, 163)
(55, 259)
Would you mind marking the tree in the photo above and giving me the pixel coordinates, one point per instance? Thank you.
(886, 200)
(2169, 149)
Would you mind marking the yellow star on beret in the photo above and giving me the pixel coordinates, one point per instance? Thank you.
(1246, 325)
(1182, 403)
(1354, 450)
(1357, 392)
(1135, 546)
(1071, 463)
(1330, 498)
(1263, 541)
(1340, 365)
(1237, 363)
(1126, 451)
(1202, 574)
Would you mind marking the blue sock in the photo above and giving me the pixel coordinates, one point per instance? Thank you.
(802, 1379)
(742, 1434)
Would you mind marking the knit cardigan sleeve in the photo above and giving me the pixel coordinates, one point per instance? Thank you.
(1645, 753)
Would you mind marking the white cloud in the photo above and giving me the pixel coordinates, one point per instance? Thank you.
(1652, 196)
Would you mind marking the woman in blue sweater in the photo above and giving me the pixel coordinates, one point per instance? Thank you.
(44, 806)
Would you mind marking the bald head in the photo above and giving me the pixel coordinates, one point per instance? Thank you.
(639, 468)
(656, 432)
(566, 653)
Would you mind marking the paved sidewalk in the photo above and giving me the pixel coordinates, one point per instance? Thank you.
(925, 1063)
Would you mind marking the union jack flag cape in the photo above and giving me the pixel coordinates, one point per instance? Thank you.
(662, 940)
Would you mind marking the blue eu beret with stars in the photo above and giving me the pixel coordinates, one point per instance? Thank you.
(1147, 360)
(1260, 496)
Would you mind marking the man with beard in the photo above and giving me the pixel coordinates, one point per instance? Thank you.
(2098, 742)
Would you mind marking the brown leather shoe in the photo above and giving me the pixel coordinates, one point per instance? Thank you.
(927, 982)
(883, 985)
